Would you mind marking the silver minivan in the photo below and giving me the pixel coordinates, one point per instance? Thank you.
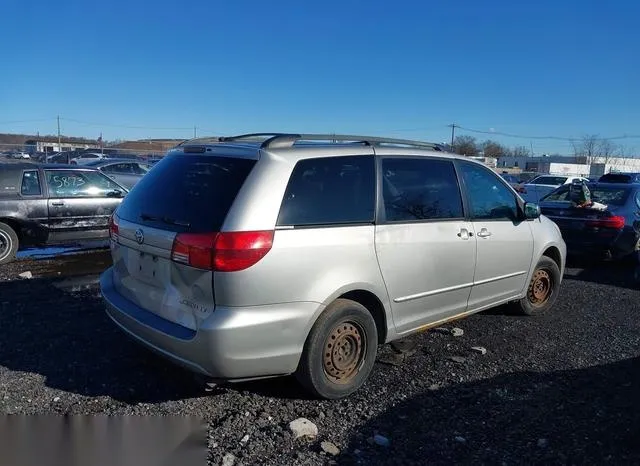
(265, 255)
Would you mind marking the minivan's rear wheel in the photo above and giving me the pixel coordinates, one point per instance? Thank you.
(542, 291)
(8, 243)
(340, 351)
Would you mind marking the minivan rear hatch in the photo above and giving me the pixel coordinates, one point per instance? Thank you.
(183, 194)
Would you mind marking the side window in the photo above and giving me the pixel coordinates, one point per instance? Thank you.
(420, 189)
(489, 198)
(119, 168)
(30, 184)
(140, 169)
(78, 183)
(331, 190)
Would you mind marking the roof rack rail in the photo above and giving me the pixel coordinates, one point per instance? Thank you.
(287, 140)
(282, 140)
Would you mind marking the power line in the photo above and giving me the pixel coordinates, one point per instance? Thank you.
(557, 138)
(127, 126)
(25, 121)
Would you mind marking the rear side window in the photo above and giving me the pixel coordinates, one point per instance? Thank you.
(420, 189)
(30, 184)
(186, 193)
(330, 190)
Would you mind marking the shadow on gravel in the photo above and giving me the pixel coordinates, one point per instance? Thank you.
(67, 338)
(620, 274)
(585, 416)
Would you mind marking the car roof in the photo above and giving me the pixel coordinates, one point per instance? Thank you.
(25, 165)
(108, 161)
(305, 146)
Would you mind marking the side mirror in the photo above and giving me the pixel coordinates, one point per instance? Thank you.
(531, 211)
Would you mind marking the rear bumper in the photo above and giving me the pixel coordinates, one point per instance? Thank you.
(618, 247)
(233, 343)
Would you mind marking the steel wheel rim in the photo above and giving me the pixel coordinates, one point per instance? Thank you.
(5, 245)
(541, 287)
(344, 352)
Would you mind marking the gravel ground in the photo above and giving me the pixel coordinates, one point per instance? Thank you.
(561, 388)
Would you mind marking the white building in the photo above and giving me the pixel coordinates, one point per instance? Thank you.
(51, 144)
(577, 166)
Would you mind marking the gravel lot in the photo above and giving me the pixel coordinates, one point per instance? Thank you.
(556, 389)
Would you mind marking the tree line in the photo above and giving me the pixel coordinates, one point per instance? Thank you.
(589, 148)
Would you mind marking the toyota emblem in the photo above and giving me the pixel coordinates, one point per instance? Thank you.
(139, 236)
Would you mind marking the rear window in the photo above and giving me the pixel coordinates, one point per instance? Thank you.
(330, 190)
(186, 193)
(603, 195)
(616, 178)
(553, 180)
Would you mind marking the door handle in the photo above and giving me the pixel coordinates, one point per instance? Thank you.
(484, 233)
(464, 233)
(57, 203)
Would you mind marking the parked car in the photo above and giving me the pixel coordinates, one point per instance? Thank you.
(53, 204)
(610, 234)
(86, 157)
(127, 172)
(518, 179)
(620, 178)
(268, 256)
(542, 185)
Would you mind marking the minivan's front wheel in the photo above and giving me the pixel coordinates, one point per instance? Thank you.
(8, 243)
(340, 351)
(542, 290)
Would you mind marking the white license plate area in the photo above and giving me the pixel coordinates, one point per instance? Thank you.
(145, 267)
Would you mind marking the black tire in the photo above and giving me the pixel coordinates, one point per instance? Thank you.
(328, 367)
(8, 243)
(542, 290)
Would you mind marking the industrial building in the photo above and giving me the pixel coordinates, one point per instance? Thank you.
(54, 144)
(577, 166)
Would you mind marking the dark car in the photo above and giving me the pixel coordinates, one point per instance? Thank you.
(620, 178)
(611, 233)
(43, 204)
(126, 172)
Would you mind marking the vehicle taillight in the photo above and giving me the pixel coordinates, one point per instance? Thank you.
(617, 222)
(222, 252)
(114, 230)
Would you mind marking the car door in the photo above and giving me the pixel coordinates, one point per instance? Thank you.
(425, 247)
(504, 239)
(80, 203)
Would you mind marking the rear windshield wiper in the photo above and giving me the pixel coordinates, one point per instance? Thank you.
(167, 220)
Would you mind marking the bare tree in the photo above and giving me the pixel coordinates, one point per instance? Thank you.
(592, 149)
(465, 145)
(607, 150)
(493, 149)
(520, 151)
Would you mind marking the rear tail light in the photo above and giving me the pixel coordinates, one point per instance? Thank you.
(114, 230)
(617, 222)
(222, 252)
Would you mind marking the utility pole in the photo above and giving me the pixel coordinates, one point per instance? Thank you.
(194, 132)
(453, 133)
(59, 143)
(531, 144)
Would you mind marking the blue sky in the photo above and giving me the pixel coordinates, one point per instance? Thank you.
(133, 69)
